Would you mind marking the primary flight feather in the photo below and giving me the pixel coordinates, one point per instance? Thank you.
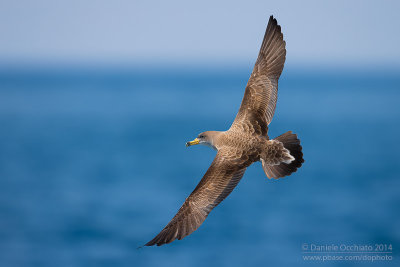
(244, 143)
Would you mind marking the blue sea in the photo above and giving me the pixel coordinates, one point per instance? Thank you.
(93, 164)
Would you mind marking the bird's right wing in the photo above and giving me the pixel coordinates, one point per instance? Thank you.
(259, 101)
(218, 182)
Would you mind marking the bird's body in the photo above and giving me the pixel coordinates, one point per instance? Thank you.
(246, 142)
(234, 144)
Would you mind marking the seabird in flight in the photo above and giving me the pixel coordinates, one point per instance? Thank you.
(243, 144)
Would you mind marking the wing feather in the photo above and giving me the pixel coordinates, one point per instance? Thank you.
(218, 182)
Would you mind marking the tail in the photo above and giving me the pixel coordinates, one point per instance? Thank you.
(291, 143)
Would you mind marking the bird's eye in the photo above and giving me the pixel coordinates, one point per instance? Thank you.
(201, 136)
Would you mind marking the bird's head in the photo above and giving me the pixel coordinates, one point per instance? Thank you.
(206, 138)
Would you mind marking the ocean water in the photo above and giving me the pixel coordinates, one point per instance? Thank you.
(93, 164)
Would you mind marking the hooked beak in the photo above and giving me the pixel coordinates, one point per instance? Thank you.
(194, 142)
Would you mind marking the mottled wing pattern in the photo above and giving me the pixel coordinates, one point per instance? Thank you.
(259, 101)
(218, 182)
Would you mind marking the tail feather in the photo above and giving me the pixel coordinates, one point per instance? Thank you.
(291, 143)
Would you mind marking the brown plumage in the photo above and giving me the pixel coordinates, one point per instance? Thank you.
(244, 143)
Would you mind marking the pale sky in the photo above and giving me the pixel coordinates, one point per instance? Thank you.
(316, 32)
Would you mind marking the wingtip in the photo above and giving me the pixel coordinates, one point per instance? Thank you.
(149, 244)
(156, 241)
(272, 20)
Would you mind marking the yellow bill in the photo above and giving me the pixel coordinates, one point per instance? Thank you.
(194, 142)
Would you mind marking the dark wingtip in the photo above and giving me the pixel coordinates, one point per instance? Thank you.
(150, 243)
(154, 241)
(272, 20)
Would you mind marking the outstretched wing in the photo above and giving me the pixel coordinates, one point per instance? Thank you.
(259, 101)
(218, 182)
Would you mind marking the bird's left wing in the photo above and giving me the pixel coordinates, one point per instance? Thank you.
(259, 100)
(220, 179)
